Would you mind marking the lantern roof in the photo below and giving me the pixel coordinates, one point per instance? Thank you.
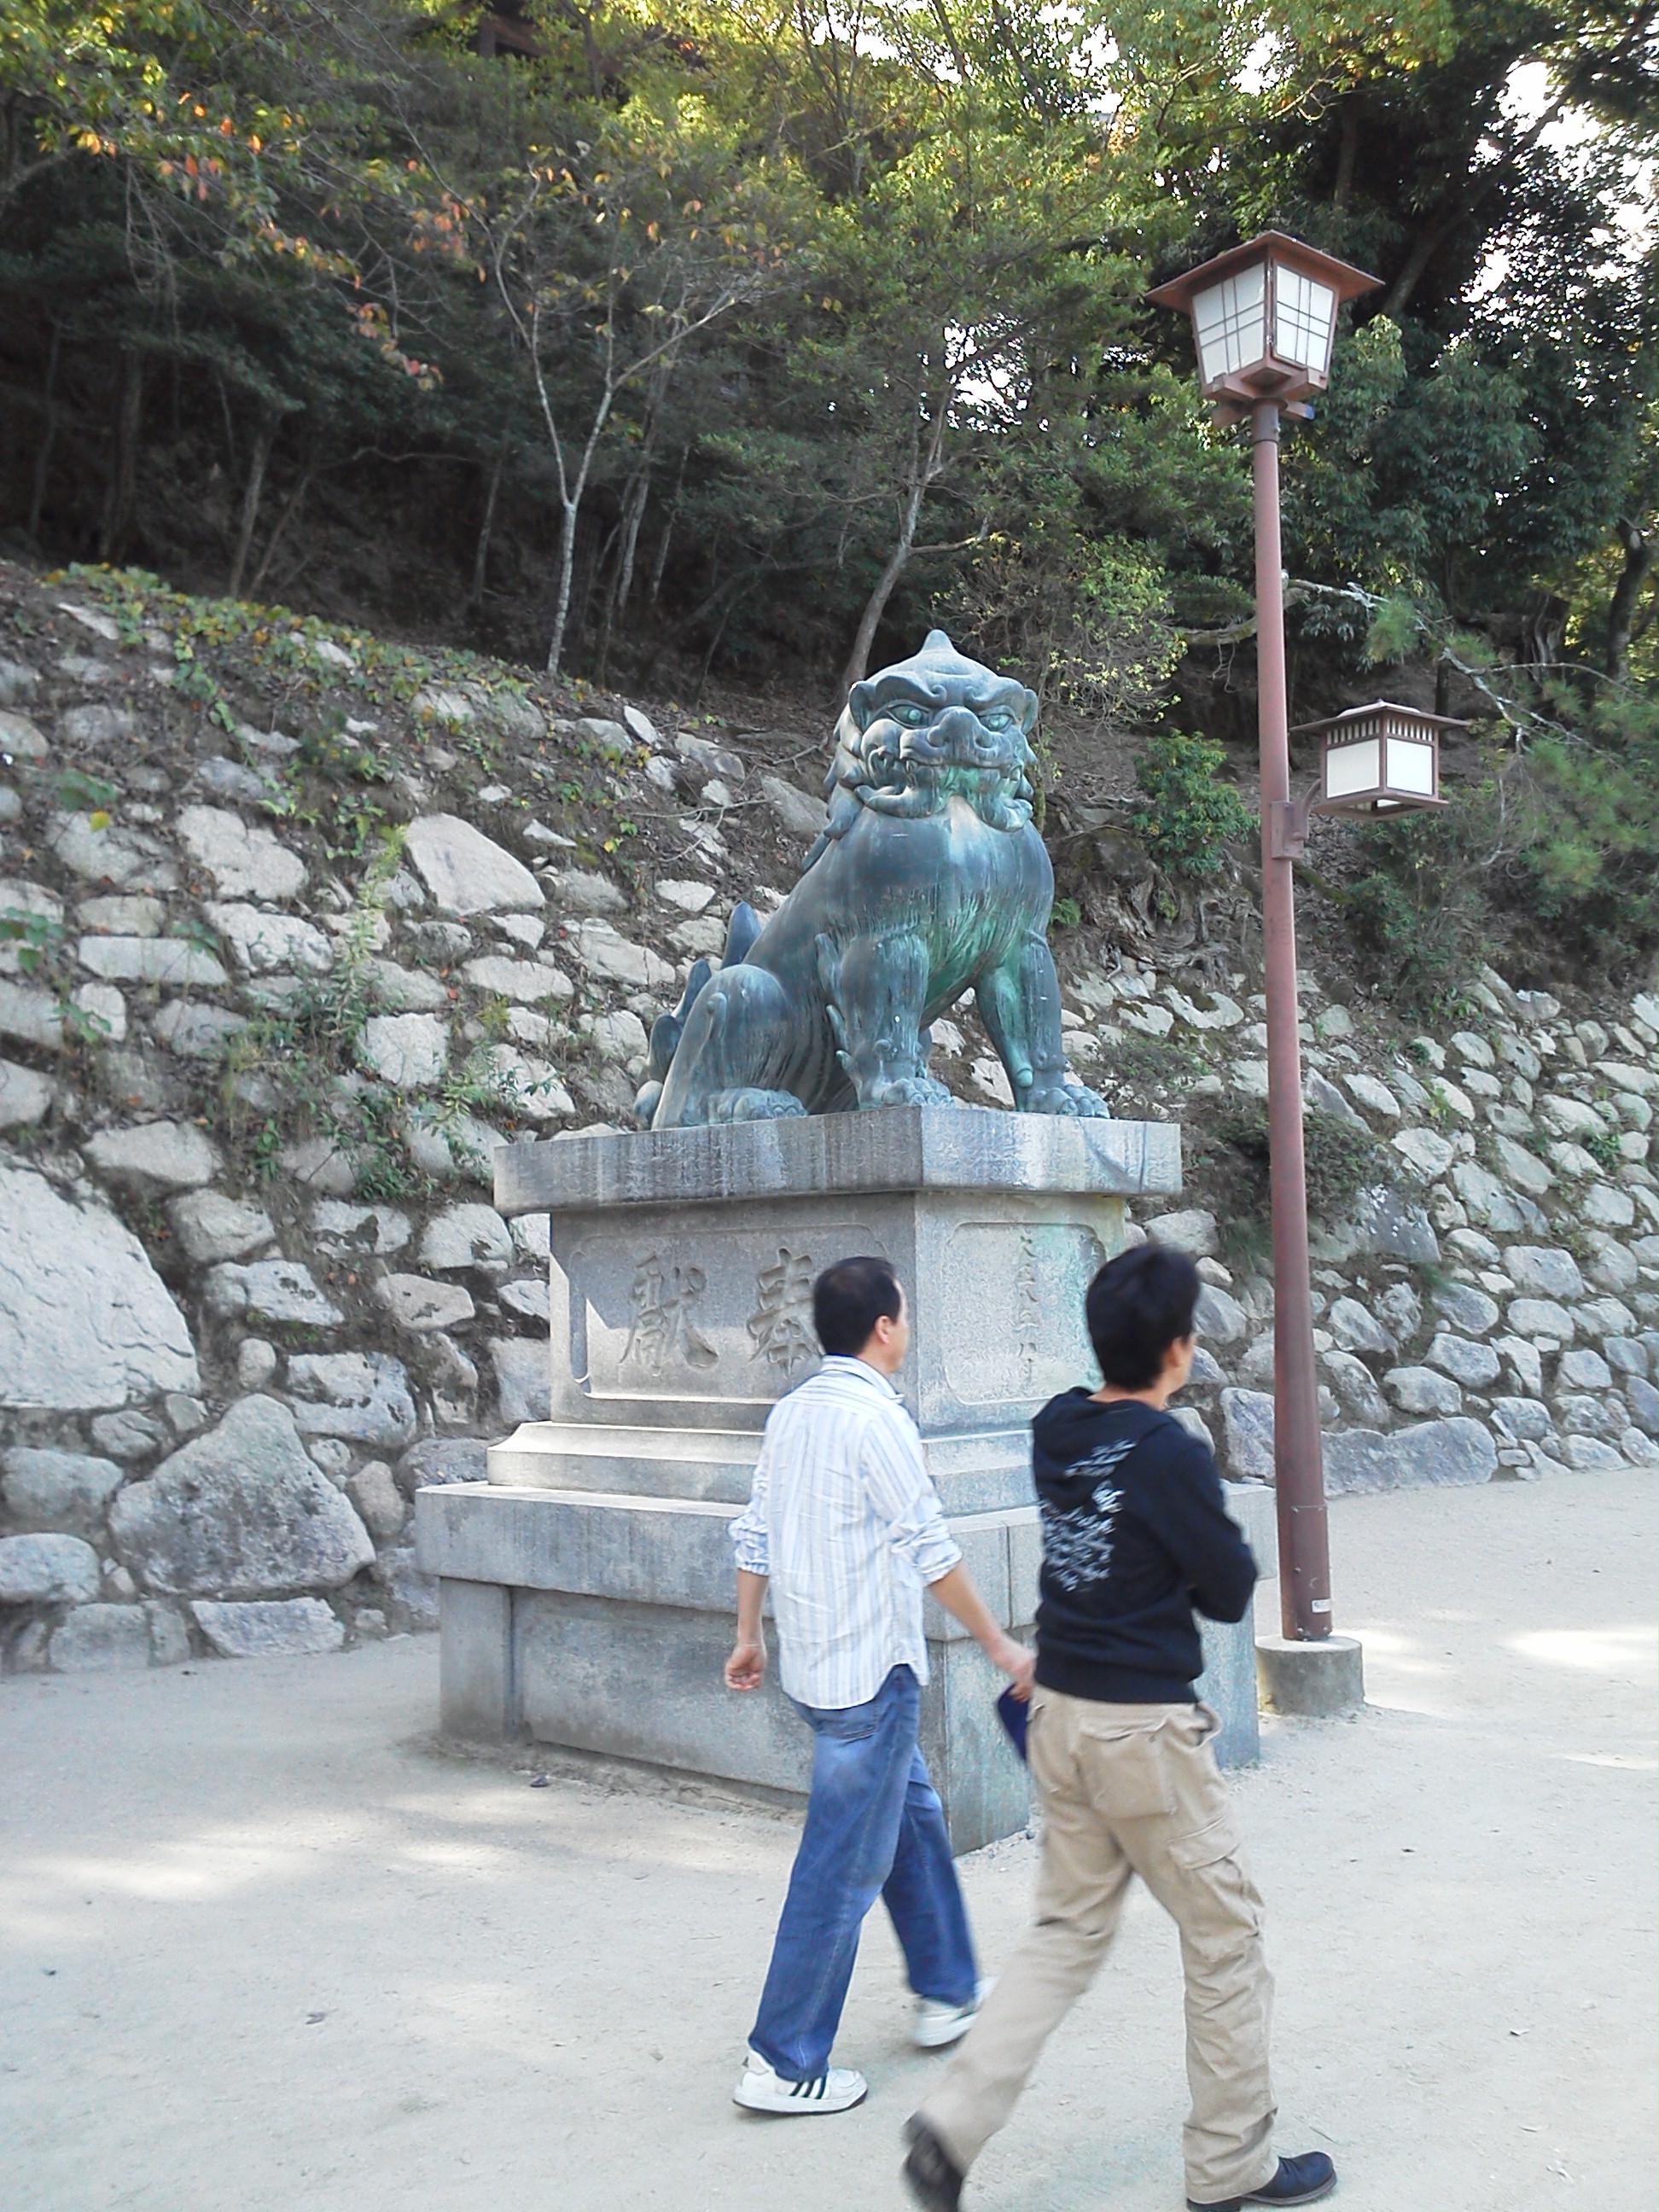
(1345, 281)
(1332, 724)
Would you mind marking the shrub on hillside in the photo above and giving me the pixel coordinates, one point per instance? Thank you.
(1185, 814)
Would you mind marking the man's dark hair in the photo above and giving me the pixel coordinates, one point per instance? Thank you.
(847, 1301)
(1138, 1306)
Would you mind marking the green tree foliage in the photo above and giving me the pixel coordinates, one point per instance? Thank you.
(757, 334)
(1418, 912)
(1585, 834)
(610, 257)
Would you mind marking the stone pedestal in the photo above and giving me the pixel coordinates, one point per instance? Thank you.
(1311, 1681)
(588, 1587)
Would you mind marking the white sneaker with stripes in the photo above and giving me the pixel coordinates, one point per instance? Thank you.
(761, 2090)
(937, 2026)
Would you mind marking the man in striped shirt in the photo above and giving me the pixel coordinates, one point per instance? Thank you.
(844, 1523)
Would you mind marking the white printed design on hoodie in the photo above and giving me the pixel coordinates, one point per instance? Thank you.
(1077, 1545)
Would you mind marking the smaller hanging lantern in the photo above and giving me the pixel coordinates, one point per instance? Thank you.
(1381, 759)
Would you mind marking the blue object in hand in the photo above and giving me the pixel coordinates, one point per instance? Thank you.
(1012, 1713)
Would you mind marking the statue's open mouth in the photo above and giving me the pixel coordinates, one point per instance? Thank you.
(997, 791)
(976, 748)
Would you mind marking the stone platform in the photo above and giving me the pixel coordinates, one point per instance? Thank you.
(588, 1587)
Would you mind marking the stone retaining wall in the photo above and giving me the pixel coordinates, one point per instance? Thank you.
(226, 1365)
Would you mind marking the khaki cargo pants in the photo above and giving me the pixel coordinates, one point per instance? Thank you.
(1126, 1790)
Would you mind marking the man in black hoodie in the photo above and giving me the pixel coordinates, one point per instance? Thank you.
(1136, 1538)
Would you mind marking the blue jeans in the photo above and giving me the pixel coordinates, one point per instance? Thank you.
(874, 1826)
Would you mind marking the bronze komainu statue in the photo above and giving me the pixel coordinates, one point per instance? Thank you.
(928, 880)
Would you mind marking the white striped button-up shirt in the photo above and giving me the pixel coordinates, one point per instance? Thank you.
(844, 1519)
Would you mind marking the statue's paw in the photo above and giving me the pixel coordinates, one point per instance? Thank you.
(645, 1103)
(907, 1090)
(750, 1104)
(1087, 1105)
(1069, 1097)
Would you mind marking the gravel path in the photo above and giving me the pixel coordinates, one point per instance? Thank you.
(262, 1951)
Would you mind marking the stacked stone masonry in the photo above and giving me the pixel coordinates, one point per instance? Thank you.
(224, 1372)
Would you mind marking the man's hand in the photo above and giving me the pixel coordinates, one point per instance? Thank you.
(746, 1669)
(1016, 1662)
(955, 1591)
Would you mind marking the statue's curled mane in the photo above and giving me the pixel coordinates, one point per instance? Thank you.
(881, 765)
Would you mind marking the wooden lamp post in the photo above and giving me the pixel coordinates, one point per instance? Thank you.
(1264, 324)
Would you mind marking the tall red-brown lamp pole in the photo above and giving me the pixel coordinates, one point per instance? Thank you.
(1264, 322)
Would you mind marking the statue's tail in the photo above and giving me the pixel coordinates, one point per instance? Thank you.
(667, 1030)
(741, 932)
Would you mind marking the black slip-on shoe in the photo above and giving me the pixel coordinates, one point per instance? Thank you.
(1302, 2180)
(930, 2175)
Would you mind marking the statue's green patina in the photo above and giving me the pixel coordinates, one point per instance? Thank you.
(929, 880)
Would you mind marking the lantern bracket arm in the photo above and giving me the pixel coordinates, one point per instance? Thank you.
(1288, 822)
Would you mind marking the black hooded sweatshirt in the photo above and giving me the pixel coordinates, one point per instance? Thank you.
(1136, 1536)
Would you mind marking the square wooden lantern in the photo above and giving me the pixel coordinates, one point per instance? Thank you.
(1264, 320)
(1380, 759)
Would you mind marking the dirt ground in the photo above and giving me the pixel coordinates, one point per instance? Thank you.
(263, 1951)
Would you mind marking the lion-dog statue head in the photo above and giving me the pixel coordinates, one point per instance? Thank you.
(925, 728)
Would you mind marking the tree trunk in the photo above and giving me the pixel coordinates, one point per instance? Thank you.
(567, 569)
(713, 648)
(1639, 557)
(48, 434)
(623, 579)
(263, 439)
(486, 530)
(633, 514)
(1417, 262)
(859, 660)
(660, 563)
(634, 505)
(570, 499)
(1348, 153)
(289, 509)
(122, 486)
(639, 491)
(875, 606)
